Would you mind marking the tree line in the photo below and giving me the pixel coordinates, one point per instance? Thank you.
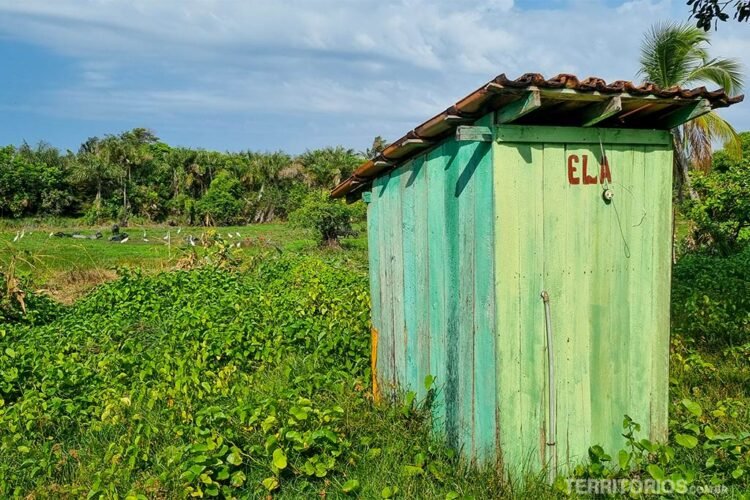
(135, 174)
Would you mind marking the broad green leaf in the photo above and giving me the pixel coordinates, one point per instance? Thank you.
(389, 492)
(693, 407)
(350, 486)
(686, 440)
(655, 472)
(623, 458)
(298, 413)
(270, 483)
(279, 459)
(234, 458)
(709, 432)
(238, 479)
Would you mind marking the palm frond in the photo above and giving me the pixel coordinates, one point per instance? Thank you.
(670, 52)
(705, 131)
(726, 73)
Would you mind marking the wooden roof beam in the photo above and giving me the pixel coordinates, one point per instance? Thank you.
(514, 110)
(456, 119)
(417, 143)
(598, 112)
(683, 114)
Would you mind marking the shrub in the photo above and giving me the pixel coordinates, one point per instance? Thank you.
(221, 205)
(711, 298)
(722, 214)
(329, 219)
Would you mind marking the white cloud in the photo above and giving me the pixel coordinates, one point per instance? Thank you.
(380, 62)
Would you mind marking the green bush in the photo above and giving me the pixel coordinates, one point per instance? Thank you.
(721, 216)
(221, 205)
(329, 219)
(711, 298)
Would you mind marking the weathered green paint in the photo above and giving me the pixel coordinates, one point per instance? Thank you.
(473, 133)
(528, 102)
(485, 381)
(574, 135)
(596, 261)
(438, 292)
(686, 113)
(435, 260)
(598, 112)
(464, 238)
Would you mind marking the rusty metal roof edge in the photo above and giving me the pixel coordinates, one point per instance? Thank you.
(528, 81)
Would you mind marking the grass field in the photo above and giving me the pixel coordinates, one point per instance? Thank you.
(66, 267)
(246, 373)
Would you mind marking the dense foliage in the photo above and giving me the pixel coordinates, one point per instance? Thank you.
(720, 217)
(135, 174)
(179, 369)
(711, 298)
(329, 219)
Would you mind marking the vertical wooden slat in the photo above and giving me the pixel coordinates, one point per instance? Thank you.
(641, 284)
(407, 192)
(556, 257)
(373, 248)
(661, 163)
(385, 341)
(507, 164)
(421, 263)
(453, 304)
(397, 268)
(435, 172)
(464, 192)
(624, 251)
(532, 330)
(485, 377)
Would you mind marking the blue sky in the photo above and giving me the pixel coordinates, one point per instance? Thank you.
(298, 74)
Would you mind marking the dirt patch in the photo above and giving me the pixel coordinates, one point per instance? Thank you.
(67, 286)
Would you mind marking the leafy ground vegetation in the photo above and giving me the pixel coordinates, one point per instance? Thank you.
(209, 382)
(239, 367)
(248, 375)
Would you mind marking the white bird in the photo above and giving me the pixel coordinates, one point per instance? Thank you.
(124, 240)
(51, 234)
(238, 235)
(144, 237)
(192, 240)
(238, 244)
(23, 233)
(230, 235)
(179, 230)
(18, 235)
(166, 237)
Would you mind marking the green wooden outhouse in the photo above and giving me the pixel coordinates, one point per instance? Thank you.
(520, 252)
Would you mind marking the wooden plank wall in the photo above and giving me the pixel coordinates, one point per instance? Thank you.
(607, 271)
(432, 284)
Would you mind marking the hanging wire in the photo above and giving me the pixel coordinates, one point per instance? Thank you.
(614, 205)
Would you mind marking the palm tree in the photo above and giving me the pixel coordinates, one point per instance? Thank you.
(677, 55)
(94, 168)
